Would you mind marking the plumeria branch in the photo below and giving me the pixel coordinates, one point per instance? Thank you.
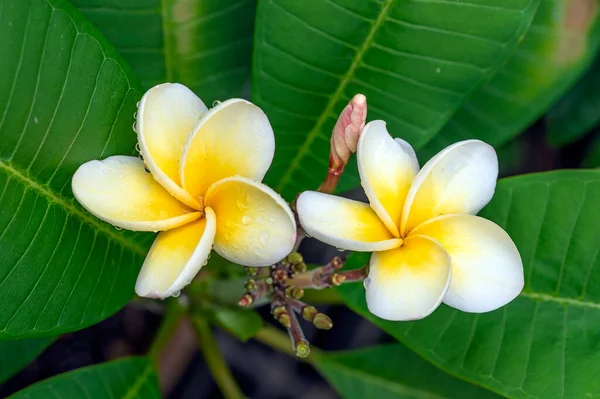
(284, 288)
(283, 284)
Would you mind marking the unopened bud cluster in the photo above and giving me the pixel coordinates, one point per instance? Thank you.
(283, 284)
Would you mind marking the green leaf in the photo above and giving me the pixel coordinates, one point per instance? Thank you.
(546, 343)
(557, 49)
(241, 323)
(578, 111)
(415, 60)
(204, 44)
(121, 379)
(392, 371)
(66, 97)
(15, 355)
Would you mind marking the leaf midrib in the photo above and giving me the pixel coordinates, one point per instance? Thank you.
(140, 380)
(314, 132)
(70, 208)
(536, 296)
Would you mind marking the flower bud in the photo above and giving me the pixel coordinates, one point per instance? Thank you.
(346, 132)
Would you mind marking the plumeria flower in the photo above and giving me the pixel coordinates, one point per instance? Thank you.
(427, 245)
(203, 189)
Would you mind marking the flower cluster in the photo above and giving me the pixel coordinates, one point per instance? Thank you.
(199, 184)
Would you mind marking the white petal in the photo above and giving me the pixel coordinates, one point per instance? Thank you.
(387, 168)
(176, 257)
(119, 191)
(343, 223)
(408, 283)
(487, 271)
(167, 115)
(233, 138)
(460, 179)
(255, 226)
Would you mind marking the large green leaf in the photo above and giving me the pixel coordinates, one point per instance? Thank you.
(394, 372)
(204, 44)
(66, 97)
(121, 379)
(415, 60)
(578, 111)
(14, 355)
(546, 343)
(559, 45)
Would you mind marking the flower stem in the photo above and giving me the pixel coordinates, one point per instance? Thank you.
(174, 314)
(215, 361)
(356, 275)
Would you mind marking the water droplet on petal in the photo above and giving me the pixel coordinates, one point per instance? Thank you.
(246, 220)
(339, 249)
(176, 294)
(137, 147)
(135, 115)
(228, 237)
(264, 238)
(241, 205)
(367, 282)
(137, 105)
(134, 126)
(215, 103)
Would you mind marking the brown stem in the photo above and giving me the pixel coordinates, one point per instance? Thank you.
(333, 177)
(299, 342)
(356, 275)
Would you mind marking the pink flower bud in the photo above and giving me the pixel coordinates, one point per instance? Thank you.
(344, 140)
(346, 132)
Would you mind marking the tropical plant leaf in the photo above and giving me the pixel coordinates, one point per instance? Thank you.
(557, 49)
(415, 60)
(394, 372)
(203, 44)
(120, 379)
(546, 343)
(241, 323)
(66, 98)
(15, 355)
(578, 111)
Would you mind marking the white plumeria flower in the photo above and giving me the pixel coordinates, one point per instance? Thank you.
(204, 188)
(427, 245)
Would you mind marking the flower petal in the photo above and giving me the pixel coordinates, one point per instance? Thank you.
(343, 223)
(176, 257)
(233, 138)
(460, 179)
(487, 271)
(167, 115)
(387, 168)
(255, 226)
(408, 283)
(119, 191)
